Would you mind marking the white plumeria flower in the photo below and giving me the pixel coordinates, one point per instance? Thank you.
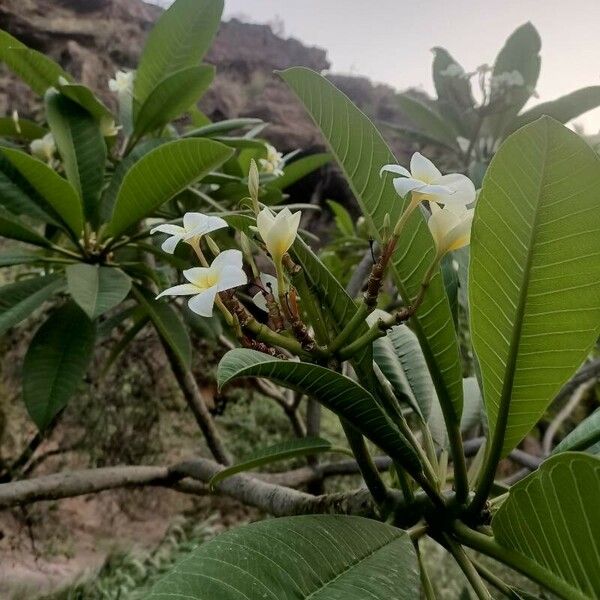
(122, 82)
(224, 273)
(273, 164)
(268, 281)
(195, 225)
(278, 231)
(44, 148)
(426, 182)
(451, 230)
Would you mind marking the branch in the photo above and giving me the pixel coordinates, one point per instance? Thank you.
(266, 493)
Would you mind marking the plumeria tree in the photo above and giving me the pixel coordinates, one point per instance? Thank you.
(475, 110)
(392, 372)
(82, 191)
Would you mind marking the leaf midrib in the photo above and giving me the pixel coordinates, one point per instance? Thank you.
(497, 446)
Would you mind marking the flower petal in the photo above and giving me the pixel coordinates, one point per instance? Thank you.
(397, 169)
(227, 258)
(422, 168)
(168, 228)
(197, 274)
(231, 277)
(404, 185)
(202, 304)
(462, 187)
(264, 221)
(170, 244)
(184, 289)
(260, 301)
(440, 223)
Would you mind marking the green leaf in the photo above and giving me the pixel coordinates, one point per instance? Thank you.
(97, 289)
(161, 174)
(454, 95)
(300, 168)
(19, 197)
(316, 557)
(12, 227)
(343, 220)
(19, 256)
(562, 109)
(361, 152)
(18, 300)
(551, 519)
(109, 196)
(534, 279)
(222, 127)
(428, 121)
(275, 453)
(37, 70)
(27, 130)
(521, 53)
(179, 39)
(56, 362)
(84, 97)
(168, 324)
(471, 415)
(82, 148)
(584, 436)
(406, 348)
(57, 192)
(338, 393)
(172, 96)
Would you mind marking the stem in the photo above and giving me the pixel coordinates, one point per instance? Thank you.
(359, 316)
(196, 402)
(467, 568)
(493, 579)
(428, 590)
(488, 545)
(366, 465)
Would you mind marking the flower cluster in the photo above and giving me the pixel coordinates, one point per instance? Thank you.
(273, 164)
(44, 148)
(122, 83)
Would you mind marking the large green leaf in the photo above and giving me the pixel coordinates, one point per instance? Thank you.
(13, 228)
(316, 557)
(337, 392)
(97, 289)
(562, 109)
(83, 96)
(168, 325)
(57, 192)
(56, 362)
(20, 256)
(274, 453)
(81, 146)
(38, 71)
(361, 152)
(454, 95)
(159, 175)
(172, 96)
(19, 197)
(584, 436)
(551, 518)
(18, 300)
(428, 121)
(534, 279)
(179, 39)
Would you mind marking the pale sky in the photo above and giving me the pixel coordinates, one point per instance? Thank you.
(389, 41)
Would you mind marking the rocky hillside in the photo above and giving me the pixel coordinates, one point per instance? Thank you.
(92, 38)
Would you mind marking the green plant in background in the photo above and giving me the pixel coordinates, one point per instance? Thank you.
(468, 127)
(393, 377)
(77, 191)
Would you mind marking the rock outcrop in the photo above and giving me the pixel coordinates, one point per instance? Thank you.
(92, 38)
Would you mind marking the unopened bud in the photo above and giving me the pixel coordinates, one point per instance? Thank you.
(253, 184)
(214, 248)
(15, 118)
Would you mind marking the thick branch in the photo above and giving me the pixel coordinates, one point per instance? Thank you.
(265, 493)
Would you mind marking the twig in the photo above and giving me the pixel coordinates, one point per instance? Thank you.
(564, 414)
